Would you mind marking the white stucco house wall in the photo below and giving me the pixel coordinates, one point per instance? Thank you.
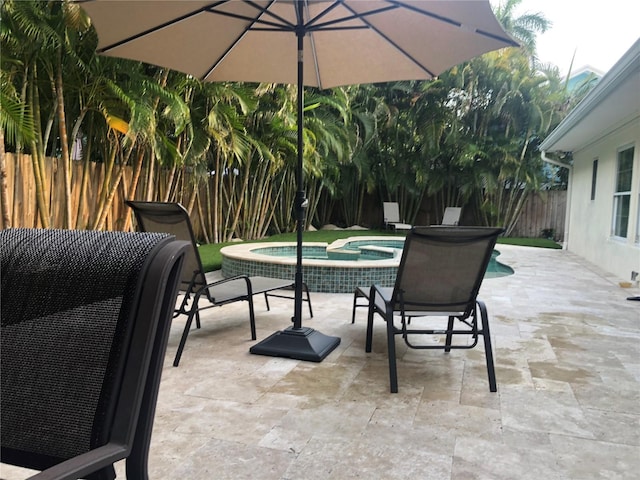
(603, 134)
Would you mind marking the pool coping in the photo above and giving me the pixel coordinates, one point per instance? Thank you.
(244, 251)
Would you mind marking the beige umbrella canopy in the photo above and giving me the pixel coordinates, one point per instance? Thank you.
(343, 42)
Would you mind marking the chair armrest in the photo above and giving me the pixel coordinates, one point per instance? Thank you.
(379, 297)
(206, 289)
(83, 465)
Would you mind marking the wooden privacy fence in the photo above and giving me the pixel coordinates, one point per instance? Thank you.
(22, 194)
(543, 215)
(542, 211)
(23, 210)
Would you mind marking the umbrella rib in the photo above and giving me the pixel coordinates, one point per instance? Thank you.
(275, 27)
(450, 21)
(333, 25)
(265, 10)
(394, 44)
(158, 27)
(356, 16)
(399, 3)
(312, 43)
(211, 8)
(511, 42)
(286, 26)
(321, 14)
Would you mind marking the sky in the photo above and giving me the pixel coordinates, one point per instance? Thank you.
(598, 32)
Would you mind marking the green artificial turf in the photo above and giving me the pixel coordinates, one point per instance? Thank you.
(530, 242)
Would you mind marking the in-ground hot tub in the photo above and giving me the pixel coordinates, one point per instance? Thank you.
(339, 267)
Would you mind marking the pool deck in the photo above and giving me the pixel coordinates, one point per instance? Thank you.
(567, 352)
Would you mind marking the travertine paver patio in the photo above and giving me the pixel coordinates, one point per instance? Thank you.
(567, 348)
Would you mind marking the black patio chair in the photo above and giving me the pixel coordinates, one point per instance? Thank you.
(174, 219)
(85, 324)
(439, 275)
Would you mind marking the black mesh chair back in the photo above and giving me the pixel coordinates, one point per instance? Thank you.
(85, 323)
(172, 218)
(442, 268)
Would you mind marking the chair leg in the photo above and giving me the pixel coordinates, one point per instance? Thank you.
(252, 317)
(449, 336)
(137, 470)
(486, 335)
(185, 333)
(391, 349)
(266, 300)
(356, 296)
(369, 340)
(183, 305)
(306, 289)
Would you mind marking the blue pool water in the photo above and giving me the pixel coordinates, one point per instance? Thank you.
(494, 269)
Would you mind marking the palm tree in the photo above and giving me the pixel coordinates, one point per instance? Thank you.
(523, 27)
(327, 117)
(504, 108)
(18, 125)
(353, 179)
(23, 43)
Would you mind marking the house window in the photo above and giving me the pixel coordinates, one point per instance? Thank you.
(622, 195)
(638, 222)
(594, 177)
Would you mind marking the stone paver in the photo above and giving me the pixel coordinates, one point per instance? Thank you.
(567, 352)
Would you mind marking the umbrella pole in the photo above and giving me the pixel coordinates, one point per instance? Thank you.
(298, 342)
(301, 203)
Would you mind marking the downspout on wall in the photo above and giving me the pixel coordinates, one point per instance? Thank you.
(543, 156)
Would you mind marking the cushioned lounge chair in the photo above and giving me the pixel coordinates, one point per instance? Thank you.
(392, 220)
(439, 278)
(174, 219)
(85, 323)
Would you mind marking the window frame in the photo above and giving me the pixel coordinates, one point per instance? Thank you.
(622, 198)
(637, 242)
(594, 178)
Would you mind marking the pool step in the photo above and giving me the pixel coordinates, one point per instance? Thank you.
(342, 254)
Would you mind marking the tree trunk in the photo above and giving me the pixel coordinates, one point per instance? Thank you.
(242, 195)
(100, 221)
(37, 155)
(215, 217)
(4, 193)
(131, 194)
(151, 189)
(86, 162)
(106, 181)
(64, 143)
(169, 184)
(201, 215)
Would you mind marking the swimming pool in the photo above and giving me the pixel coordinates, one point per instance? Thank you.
(338, 267)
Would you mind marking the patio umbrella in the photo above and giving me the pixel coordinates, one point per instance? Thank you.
(345, 42)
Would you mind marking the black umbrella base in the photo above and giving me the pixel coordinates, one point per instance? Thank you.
(298, 343)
